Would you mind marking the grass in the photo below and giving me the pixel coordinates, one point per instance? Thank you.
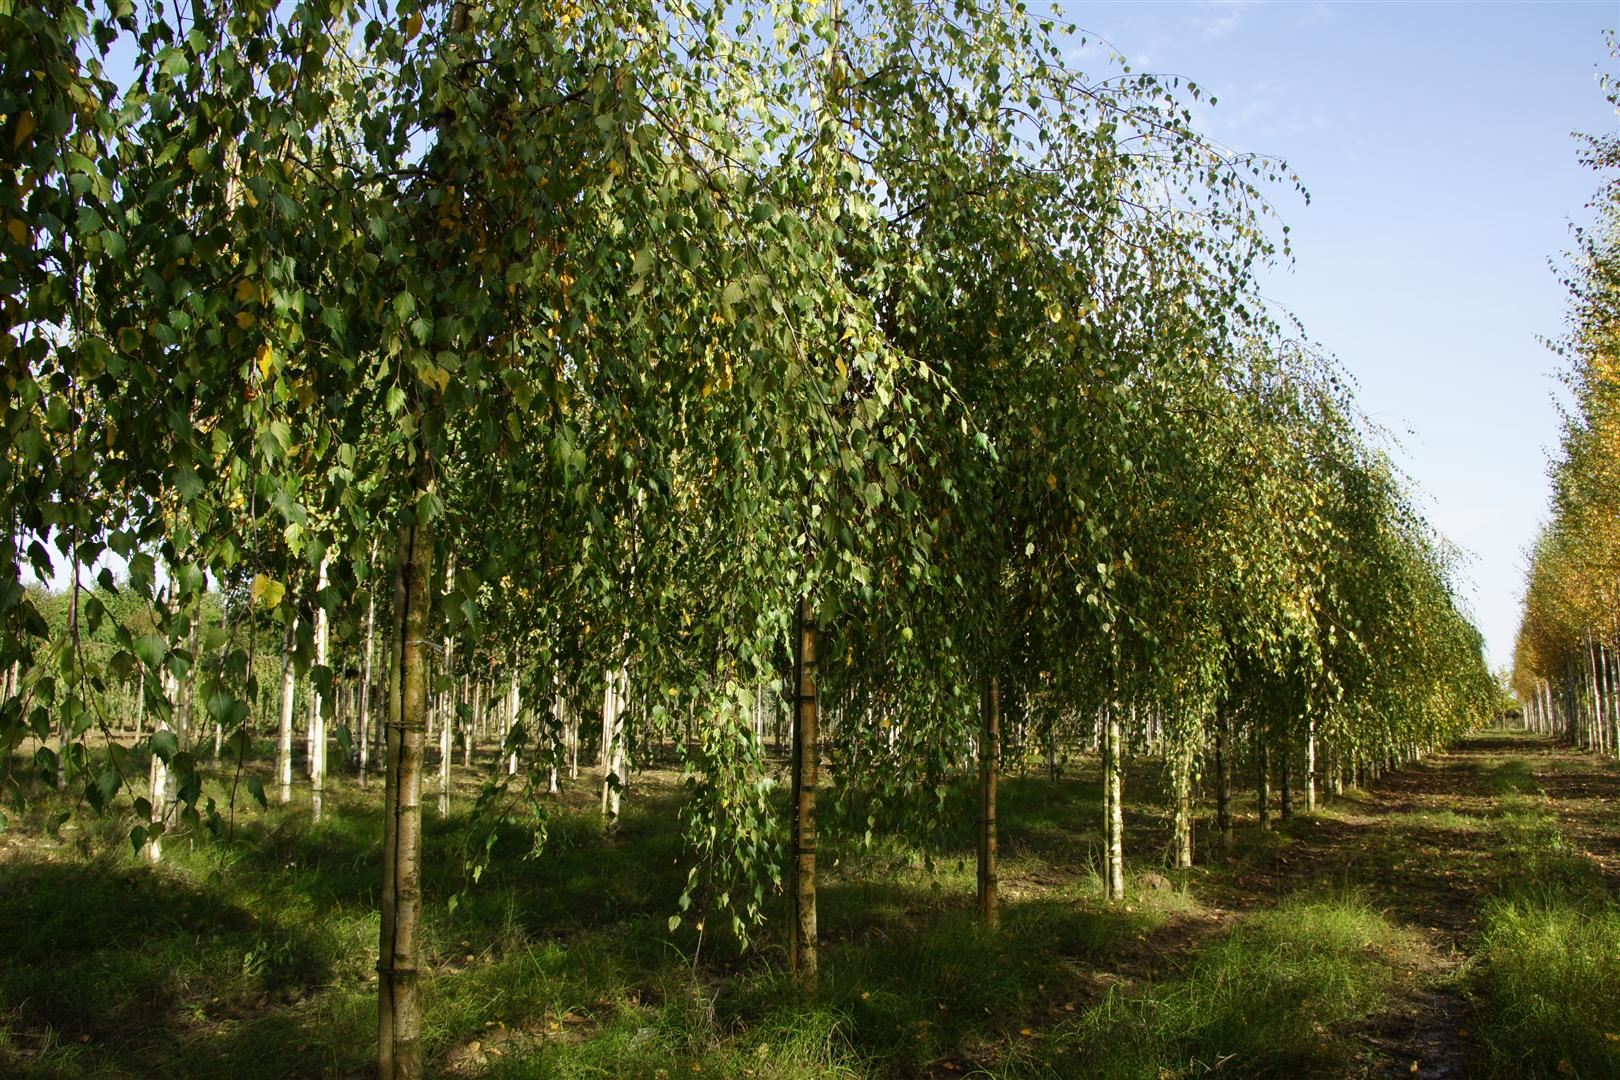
(1447, 820)
(1550, 978)
(1548, 954)
(254, 957)
(1276, 997)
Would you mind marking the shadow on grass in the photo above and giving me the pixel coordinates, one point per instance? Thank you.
(124, 965)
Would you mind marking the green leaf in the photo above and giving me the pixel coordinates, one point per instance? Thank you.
(150, 649)
(107, 784)
(165, 745)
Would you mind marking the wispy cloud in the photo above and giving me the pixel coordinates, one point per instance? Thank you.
(1219, 18)
(1261, 110)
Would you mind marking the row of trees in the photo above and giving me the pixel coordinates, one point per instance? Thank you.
(494, 364)
(1566, 672)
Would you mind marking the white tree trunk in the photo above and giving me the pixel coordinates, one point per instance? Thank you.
(514, 709)
(447, 705)
(318, 705)
(363, 713)
(1310, 764)
(1113, 811)
(161, 791)
(613, 777)
(284, 733)
(552, 729)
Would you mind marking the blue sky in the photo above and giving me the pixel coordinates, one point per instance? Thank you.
(1434, 139)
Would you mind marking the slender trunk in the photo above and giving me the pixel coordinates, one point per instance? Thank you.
(1183, 822)
(363, 719)
(185, 697)
(613, 776)
(514, 709)
(469, 693)
(1608, 698)
(1286, 780)
(556, 734)
(284, 733)
(1113, 810)
(388, 674)
(1182, 817)
(1223, 776)
(219, 728)
(161, 791)
(399, 1054)
(1596, 740)
(447, 714)
(806, 762)
(157, 788)
(989, 769)
(1262, 787)
(1601, 667)
(1310, 764)
(319, 705)
(447, 705)
(574, 739)
(605, 743)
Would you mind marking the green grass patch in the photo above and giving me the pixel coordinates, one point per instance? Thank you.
(1448, 820)
(1272, 998)
(1548, 970)
(1512, 777)
(1549, 978)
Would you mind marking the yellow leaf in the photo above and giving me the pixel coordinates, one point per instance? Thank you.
(266, 359)
(18, 231)
(245, 319)
(1051, 481)
(267, 590)
(435, 376)
(25, 128)
(246, 290)
(413, 25)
